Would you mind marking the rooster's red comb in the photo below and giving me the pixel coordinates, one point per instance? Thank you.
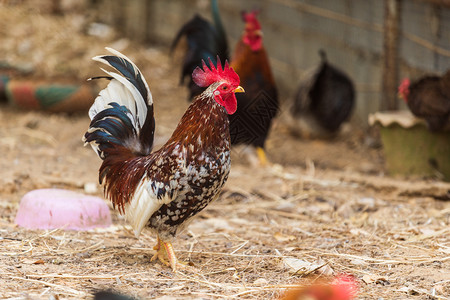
(405, 82)
(251, 19)
(208, 76)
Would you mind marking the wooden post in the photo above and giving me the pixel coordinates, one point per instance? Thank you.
(390, 60)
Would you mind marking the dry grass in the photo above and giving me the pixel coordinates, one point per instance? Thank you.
(324, 208)
(242, 246)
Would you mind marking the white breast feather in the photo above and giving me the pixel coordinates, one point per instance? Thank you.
(143, 205)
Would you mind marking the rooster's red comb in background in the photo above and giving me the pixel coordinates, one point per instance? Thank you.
(250, 18)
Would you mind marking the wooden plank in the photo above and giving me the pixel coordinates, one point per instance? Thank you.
(438, 2)
(390, 60)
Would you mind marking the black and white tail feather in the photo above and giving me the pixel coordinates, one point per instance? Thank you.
(122, 113)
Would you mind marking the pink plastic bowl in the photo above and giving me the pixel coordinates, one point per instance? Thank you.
(57, 208)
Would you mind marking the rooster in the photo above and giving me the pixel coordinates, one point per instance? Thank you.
(205, 41)
(251, 123)
(429, 98)
(164, 189)
(324, 100)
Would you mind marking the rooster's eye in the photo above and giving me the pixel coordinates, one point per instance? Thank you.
(224, 87)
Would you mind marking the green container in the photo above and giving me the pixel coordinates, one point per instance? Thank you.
(410, 149)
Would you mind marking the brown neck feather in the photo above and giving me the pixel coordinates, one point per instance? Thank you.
(205, 121)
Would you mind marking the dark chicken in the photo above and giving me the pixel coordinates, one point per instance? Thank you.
(251, 123)
(163, 189)
(204, 41)
(324, 100)
(110, 295)
(429, 98)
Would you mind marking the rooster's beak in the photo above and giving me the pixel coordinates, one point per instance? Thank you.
(258, 33)
(239, 89)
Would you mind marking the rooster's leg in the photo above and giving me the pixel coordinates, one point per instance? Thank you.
(171, 256)
(261, 156)
(160, 253)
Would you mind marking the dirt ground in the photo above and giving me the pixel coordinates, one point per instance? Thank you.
(321, 207)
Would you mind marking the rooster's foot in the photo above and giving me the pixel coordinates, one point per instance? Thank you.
(166, 255)
(263, 161)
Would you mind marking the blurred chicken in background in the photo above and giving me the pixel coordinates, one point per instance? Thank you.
(324, 100)
(251, 123)
(429, 98)
(342, 287)
(204, 41)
